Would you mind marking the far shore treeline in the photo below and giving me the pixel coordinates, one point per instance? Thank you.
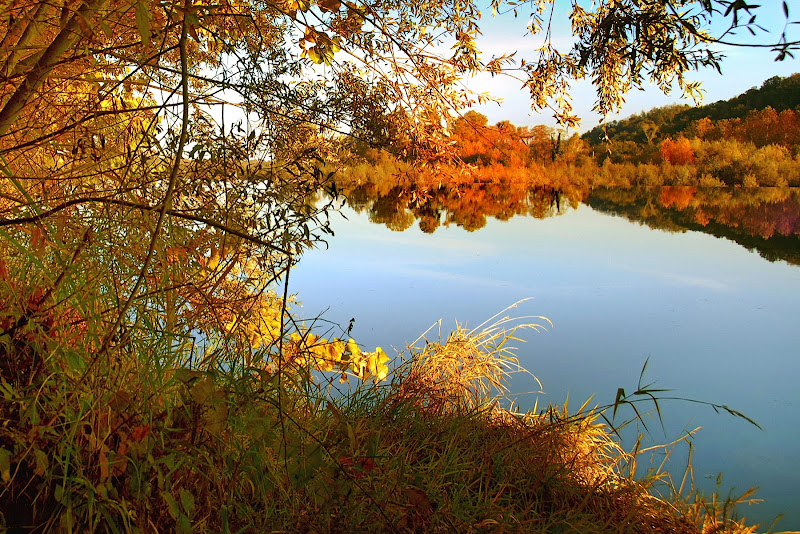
(752, 140)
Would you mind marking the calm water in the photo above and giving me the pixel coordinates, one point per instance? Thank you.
(717, 322)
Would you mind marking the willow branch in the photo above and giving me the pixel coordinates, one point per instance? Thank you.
(128, 204)
(173, 179)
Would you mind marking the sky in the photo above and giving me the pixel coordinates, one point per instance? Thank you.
(742, 69)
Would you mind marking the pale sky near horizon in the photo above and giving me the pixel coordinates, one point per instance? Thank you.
(742, 69)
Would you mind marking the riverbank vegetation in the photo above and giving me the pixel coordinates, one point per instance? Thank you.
(153, 443)
(162, 165)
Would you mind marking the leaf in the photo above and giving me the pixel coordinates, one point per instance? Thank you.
(737, 413)
(217, 416)
(84, 25)
(38, 240)
(299, 5)
(102, 459)
(67, 522)
(332, 5)
(172, 504)
(312, 54)
(418, 500)
(106, 30)
(143, 22)
(202, 390)
(187, 500)
(42, 462)
(5, 465)
(184, 525)
(619, 398)
(187, 376)
(335, 411)
(140, 432)
(75, 361)
(192, 23)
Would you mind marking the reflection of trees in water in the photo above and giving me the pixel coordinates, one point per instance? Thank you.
(544, 202)
(391, 210)
(763, 219)
(467, 205)
(359, 197)
(766, 220)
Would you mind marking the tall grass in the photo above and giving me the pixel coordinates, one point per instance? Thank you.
(140, 442)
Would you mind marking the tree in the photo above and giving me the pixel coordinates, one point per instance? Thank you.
(677, 152)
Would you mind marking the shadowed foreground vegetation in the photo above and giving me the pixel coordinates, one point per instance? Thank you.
(146, 444)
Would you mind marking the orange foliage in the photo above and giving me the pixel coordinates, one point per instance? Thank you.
(678, 152)
(760, 127)
(480, 144)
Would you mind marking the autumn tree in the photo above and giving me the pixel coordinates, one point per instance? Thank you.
(677, 152)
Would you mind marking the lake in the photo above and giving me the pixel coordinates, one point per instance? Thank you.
(626, 277)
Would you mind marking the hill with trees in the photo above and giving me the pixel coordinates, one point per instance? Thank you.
(779, 94)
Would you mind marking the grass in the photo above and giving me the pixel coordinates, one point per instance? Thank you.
(140, 442)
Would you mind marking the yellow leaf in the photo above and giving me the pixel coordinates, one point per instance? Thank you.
(377, 364)
(352, 348)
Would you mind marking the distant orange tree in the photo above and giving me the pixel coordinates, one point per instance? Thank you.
(677, 152)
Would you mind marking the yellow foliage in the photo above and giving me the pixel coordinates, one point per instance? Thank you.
(320, 354)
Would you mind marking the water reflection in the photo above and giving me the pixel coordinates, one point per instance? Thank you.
(466, 205)
(765, 220)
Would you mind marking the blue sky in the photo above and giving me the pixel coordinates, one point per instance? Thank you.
(742, 68)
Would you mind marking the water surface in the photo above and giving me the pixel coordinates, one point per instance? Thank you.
(717, 322)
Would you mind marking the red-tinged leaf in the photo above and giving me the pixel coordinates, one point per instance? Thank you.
(85, 26)
(140, 432)
(192, 23)
(102, 459)
(419, 500)
(37, 239)
(367, 464)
